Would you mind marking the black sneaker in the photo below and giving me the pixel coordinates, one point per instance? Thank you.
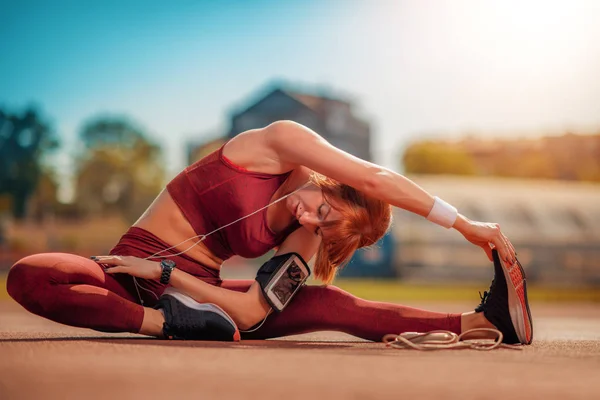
(186, 319)
(505, 304)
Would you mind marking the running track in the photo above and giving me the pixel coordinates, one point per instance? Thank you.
(43, 360)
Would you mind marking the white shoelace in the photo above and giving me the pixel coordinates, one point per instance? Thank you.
(446, 340)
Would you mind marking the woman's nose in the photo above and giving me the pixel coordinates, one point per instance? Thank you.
(306, 218)
(302, 217)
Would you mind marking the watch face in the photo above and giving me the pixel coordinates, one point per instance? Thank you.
(168, 263)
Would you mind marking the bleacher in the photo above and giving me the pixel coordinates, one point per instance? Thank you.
(555, 227)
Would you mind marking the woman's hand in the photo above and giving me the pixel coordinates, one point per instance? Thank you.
(487, 236)
(133, 266)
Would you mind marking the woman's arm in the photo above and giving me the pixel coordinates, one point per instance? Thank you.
(249, 308)
(292, 143)
(246, 308)
(296, 144)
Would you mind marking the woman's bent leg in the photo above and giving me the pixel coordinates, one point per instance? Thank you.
(329, 308)
(73, 290)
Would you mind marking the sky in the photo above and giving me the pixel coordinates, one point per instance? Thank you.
(413, 69)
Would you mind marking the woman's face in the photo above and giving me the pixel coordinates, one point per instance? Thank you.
(309, 207)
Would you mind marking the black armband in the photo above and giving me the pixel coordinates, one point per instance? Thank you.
(281, 277)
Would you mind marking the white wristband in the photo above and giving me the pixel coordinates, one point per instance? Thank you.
(442, 213)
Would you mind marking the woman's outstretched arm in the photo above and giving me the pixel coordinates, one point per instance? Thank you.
(297, 144)
(292, 143)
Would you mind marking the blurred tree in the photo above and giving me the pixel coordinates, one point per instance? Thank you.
(524, 164)
(44, 200)
(120, 169)
(437, 158)
(566, 157)
(25, 139)
(589, 170)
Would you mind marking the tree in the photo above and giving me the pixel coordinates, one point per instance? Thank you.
(120, 169)
(25, 140)
(566, 157)
(44, 200)
(437, 158)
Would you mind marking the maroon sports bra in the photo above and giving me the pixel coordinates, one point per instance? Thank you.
(213, 192)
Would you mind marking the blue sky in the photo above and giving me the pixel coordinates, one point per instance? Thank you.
(413, 68)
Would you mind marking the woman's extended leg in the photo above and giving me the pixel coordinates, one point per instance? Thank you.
(329, 308)
(74, 290)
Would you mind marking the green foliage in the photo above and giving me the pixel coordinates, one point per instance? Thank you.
(119, 171)
(44, 201)
(566, 157)
(437, 158)
(24, 141)
(398, 291)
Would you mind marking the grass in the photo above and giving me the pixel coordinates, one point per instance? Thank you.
(396, 291)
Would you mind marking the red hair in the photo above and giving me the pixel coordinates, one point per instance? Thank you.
(364, 221)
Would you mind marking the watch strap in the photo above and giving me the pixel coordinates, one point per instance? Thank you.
(167, 267)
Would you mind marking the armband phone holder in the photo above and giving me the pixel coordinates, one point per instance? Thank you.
(281, 278)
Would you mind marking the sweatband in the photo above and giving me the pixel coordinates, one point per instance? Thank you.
(442, 213)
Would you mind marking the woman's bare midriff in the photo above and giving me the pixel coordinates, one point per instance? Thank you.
(164, 219)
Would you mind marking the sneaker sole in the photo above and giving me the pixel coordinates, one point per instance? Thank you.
(191, 303)
(518, 305)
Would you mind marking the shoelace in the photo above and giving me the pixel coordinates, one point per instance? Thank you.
(446, 340)
(484, 297)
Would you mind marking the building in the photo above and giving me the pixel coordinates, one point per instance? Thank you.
(333, 118)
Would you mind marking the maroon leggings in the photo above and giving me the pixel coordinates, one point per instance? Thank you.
(76, 291)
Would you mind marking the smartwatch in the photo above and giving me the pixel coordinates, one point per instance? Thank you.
(167, 267)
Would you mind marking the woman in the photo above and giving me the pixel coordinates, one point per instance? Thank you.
(333, 203)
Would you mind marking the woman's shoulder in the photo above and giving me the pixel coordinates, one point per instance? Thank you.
(250, 150)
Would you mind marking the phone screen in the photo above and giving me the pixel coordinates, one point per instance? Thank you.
(285, 287)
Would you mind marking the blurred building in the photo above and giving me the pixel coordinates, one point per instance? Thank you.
(333, 118)
(554, 225)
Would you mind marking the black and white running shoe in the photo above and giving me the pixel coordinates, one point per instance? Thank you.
(505, 304)
(186, 319)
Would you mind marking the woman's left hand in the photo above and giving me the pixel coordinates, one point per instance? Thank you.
(133, 266)
(487, 236)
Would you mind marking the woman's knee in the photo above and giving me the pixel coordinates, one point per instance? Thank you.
(29, 273)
